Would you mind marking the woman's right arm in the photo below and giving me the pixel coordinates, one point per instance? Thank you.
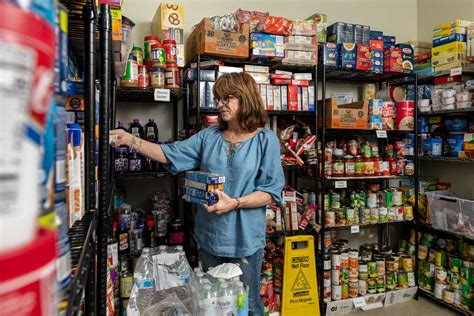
(145, 148)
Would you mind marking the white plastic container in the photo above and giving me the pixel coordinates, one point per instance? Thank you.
(463, 96)
(448, 93)
(464, 105)
(449, 100)
(450, 106)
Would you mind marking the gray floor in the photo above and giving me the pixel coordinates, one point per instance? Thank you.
(422, 307)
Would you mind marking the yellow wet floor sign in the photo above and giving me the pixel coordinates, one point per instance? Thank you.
(300, 286)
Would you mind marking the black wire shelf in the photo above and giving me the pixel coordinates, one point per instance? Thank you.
(443, 303)
(339, 131)
(133, 94)
(430, 229)
(447, 159)
(368, 178)
(143, 175)
(293, 113)
(348, 227)
(455, 111)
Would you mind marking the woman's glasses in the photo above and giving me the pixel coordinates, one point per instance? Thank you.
(225, 100)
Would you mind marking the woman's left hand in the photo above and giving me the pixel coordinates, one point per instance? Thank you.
(224, 203)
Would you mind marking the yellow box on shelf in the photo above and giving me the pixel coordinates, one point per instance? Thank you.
(448, 25)
(443, 59)
(451, 31)
(450, 66)
(449, 48)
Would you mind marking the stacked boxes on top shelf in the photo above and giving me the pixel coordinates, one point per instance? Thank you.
(449, 45)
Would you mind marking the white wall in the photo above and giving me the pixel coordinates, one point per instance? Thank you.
(434, 12)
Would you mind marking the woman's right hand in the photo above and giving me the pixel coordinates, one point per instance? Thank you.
(120, 138)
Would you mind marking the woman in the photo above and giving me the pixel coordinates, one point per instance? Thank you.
(248, 154)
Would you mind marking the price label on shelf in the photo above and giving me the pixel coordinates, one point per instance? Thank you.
(456, 71)
(355, 229)
(381, 134)
(359, 302)
(162, 95)
(341, 184)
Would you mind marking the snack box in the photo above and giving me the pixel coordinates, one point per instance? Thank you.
(361, 34)
(281, 81)
(168, 15)
(276, 98)
(348, 56)
(203, 186)
(260, 78)
(321, 20)
(392, 61)
(330, 54)
(303, 27)
(205, 177)
(363, 57)
(340, 32)
(468, 141)
(270, 104)
(448, 25)
(311, 107)
(267, 45)
(449, 48)
(376, 35)
(301, 42)
(407, 56)
(256, 68)
(388, 41)
(449, 32)
(449, 39)
(300, 57)
(345, 116)
(206, 40)
(210, 103)
(74, 96)
(195, 200)
(449, 66)
(300, 82)
(420, 58)
(284, 98)
(204, 74)
(263, 94)
(303, 76)
(447, 58)
(202, 93)
(201, 194)
(292, 98)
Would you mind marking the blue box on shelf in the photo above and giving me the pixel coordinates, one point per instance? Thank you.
(388, 41)
(449, 39)
(330, 54)
(340, 32)
(348, 55)
(376, 35)
(205, 74)
(264, 45)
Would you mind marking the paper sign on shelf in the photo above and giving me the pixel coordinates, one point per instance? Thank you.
(381, 133)
(399, 296)
(162, 95)
(355, 229)
(456, 71)
(339, 307)
(341, 184)
(359, 301)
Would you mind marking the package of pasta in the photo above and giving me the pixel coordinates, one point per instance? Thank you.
(275, 25)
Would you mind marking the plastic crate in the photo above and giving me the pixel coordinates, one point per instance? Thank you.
(451, 213)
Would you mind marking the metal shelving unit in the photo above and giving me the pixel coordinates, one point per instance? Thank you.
(455, 111)
(324, 133)
(143, 175)
(454, 308)
(447, 159)
(348, 227)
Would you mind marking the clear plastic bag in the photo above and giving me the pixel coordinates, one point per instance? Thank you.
(171, 306)
(171, 270)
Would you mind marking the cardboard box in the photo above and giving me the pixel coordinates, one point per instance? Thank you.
(449, 66)
(407, 56)
(210, 104)
(303, 76)
(447, 58)
(321, 20)
(116, 14)
(340, 32)
(305, 101)
(277, 98)
(449, 39)
(330, 54)
(300, 98)
(204, 74)
(263, 94)
(363, 57)
(270, 103)
(284, 98)
(168, 15)
(202, 94)
(376, 35)
(361, 34)
(311, 106)
(447, 32)
(388, 41)
(292, 98)
(449, 48)
(302, 43)
(346, 116)
(267, 45)
(256, 68)
(259, 77)
(392, 61)
(348, 55)
(205, 40)
(448, 25)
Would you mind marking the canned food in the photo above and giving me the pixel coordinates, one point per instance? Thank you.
(391, 214)
(374, 216)
(350, 216)
(408, 213)
(362, 287)
(344, 260)
(440, 258)
(372, 200)
(391, 280)
(422, 252)
(353, 289)
(427, 240)
(353, 258)
(327, 262)
(341, 217)
(366, 255)
(402, 279)
(458, 297)
(381, 284)
(336, 277)
(402, 245)
(466, 276)
(407, 263)
(327, 278)
(372, 269)
(383, 214)
(364, 215)
(330, 218)
(390, 264)
(336, 260)
(336, 292)
(438, 290)
(372, 286)
(353, 274)
(345, 291)
(455, 263)
(335, 200)
(441, 275)
(397, 198)
(344, 275)
(411, 279)
(454, 280)
(380, 266)
(448, 296)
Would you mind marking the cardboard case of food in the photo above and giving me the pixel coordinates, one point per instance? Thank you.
(345, 116)
(206, 40)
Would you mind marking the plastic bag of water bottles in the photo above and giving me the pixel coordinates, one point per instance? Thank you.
(171, 268)
(170, 306)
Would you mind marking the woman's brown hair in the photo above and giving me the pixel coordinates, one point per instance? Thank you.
(251, 115)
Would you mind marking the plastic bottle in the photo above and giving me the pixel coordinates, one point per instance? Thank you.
(120, 126)
(241, 299)
(151, 131)
(123, 238)
(143, 274)
(225, 300)
(162, 249)
(136, 129)
(149, 234)
(207, 301)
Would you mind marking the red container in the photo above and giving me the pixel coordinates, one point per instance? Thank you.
(170, 48)
(405, 115)
(363, 57)
(376, 45)
(387, 116)
(28, 278)
(392, 60)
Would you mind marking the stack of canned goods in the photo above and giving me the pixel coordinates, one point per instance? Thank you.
(372, 269)
(349, 207)
(446, 269)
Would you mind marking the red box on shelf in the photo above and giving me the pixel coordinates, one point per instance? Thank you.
(363, 57)
(376, 45)
(447, 79)
(292, 98)
(303, 83)
(392, 60)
